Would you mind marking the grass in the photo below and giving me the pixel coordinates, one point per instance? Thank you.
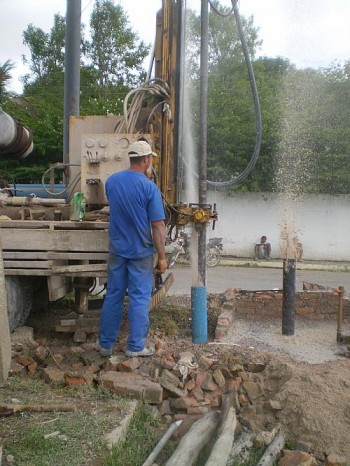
(143, 435)
(176, 320)
(72, 438)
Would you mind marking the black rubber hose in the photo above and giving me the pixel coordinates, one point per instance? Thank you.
(254, 158)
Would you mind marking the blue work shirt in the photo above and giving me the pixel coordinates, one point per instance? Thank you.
(134, 202)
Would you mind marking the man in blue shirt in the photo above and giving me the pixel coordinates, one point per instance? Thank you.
(136, 232)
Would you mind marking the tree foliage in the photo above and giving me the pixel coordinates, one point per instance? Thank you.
(112, 48)
(111, 64)
(305, 112)
(5, 77)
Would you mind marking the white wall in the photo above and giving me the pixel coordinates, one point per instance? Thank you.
(321, 222)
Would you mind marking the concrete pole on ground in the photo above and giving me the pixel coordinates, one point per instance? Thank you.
(5, 342)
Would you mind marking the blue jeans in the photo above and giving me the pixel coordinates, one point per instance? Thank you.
(136, 277)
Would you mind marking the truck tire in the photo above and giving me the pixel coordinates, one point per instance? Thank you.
(19, 297)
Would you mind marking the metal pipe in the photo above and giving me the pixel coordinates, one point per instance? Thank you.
(288, 311)
(180, 100)
(202, 266)
(199, 293)
(16, 141)
(30, 201)
(199, 314)
(340, 314)
(160, 445)
(72, 70)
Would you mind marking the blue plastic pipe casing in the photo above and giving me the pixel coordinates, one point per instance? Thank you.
(199, 314)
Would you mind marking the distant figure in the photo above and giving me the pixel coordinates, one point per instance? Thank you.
(298, 250)
(262, 249)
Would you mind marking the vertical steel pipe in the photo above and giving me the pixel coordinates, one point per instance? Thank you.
(288, 310)
(202, 266)
(340, 314)
(199, 293)
(72, 70)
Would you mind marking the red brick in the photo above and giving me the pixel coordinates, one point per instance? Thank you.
(129, 365)
(122, 383)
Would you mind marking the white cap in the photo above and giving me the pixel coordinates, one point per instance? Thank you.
(139, 149)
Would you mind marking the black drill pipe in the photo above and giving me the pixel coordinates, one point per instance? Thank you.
(288, 310)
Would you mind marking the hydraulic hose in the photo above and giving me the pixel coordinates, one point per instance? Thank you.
(258, 120)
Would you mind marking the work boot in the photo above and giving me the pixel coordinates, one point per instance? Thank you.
(104, 352)
(144, 353)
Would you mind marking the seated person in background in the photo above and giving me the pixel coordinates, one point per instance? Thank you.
(298, 249)
(262, 249)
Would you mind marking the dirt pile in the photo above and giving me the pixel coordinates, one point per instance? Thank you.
(311, 401)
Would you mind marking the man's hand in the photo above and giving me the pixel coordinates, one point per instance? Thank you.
(162, 265)
(158, 235)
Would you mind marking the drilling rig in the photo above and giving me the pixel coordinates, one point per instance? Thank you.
(61, 242)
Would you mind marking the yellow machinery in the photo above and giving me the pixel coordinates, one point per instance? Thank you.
(43, 240)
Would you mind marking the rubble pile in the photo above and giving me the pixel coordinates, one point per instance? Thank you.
(182, 383)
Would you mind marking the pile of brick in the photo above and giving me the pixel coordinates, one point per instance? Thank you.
(181, 385)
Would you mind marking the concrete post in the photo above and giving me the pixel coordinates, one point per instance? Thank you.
(5, 342)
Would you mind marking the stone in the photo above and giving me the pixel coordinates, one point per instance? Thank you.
(209, 384)
(255, 367)
(197, 393)
(204, 362)
(17, 369)
(77, 366)
(74, 379)
(219, 378)
(92, 356)
(233, 385)
(252, 389)
(190, 385)
(129, 365)
(24, 360)
(168, 362)
(58, 358)
(122, 383)
(170, 377)
(40, 354)
(264, 438)
(214, 399)
(170, 382)
(94, 368)
(79, 336)
(54, 377)
(296, 458)
(336, 460)
(274, 405)
(32, 367)
(165, 408)
(23, 336)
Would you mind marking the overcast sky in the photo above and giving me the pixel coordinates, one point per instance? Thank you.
(308, 32)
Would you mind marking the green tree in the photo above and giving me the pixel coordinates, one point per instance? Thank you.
(46, 50)
(5, 77)
(118, 53)
(114, 51)
(231, 118)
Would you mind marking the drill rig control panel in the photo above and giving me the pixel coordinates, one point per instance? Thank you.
(101, 156)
